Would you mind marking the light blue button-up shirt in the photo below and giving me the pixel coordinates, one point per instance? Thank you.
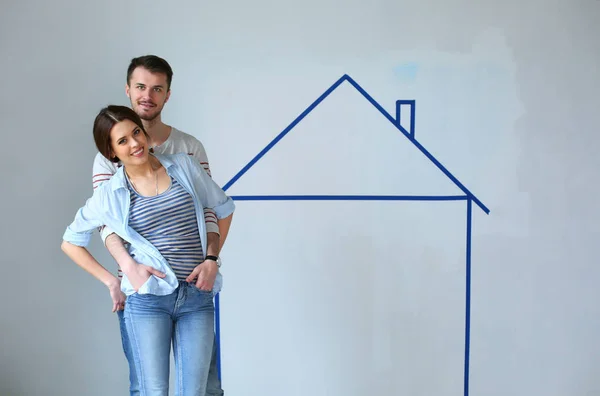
(110, 206)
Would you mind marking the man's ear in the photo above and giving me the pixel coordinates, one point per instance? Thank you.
(127, 90)
(168, 95)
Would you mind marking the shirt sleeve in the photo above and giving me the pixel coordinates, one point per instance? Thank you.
(102, 171)
(87, 219)
(210, 194)
(199, 154)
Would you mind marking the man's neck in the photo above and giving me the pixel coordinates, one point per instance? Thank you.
(157, 130)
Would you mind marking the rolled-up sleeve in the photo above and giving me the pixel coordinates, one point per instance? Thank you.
(211, 195)
(80, 231)
(224, 209)
(77, 238)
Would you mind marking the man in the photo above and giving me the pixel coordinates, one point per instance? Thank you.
(148, 88)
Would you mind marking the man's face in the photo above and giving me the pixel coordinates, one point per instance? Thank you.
(147, 92)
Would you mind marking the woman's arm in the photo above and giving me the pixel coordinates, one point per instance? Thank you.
(77, 236)
(82, 257)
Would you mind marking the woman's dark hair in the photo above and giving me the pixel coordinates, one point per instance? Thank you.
(104, 123)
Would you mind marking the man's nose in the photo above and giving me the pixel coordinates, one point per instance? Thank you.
(149, 94)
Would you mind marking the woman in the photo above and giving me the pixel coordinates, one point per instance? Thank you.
(156, 202)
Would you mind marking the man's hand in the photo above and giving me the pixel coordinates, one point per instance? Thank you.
(138, 274)
(206, 272)
(117, 296)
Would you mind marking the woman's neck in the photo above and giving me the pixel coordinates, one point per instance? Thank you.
(144, 170)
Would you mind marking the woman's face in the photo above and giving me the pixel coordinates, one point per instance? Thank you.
(129, 143)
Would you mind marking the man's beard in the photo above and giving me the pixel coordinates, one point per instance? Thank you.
(148, 116)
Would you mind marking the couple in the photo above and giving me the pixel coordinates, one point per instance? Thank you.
(164, 220)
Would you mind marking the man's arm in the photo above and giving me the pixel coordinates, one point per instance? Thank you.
(213, 224)
(212, 244)
(211, 196)
(204, 274)
(224, 225)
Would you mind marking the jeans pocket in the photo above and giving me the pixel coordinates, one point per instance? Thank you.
(194, 289)
(144, 299)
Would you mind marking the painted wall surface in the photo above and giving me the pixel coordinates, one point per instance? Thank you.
(326, 297)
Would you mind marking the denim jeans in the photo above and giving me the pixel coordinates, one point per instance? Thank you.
(184, 318)
(213, 387)
(134, 385)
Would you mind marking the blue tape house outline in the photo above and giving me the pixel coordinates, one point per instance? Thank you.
(468, 196)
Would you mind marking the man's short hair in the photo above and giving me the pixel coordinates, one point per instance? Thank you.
(153, 64)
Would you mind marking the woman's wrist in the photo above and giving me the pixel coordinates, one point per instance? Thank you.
(113, 283)
(127, 265)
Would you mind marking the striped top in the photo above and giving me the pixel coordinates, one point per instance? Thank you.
(177, 142)
(168, 221)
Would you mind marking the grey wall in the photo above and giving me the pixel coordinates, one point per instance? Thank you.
(521, 134)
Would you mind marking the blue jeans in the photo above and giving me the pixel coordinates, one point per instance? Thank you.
(187, 308)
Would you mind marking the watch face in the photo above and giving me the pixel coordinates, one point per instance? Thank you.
(218, 261)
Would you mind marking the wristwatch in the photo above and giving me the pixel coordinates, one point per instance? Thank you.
(216, 259)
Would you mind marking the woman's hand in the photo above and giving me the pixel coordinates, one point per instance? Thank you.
(117, 296)
(138, 274)
(206, 272)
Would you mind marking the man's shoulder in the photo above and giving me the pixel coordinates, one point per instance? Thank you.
(102, 170)
(100, 160)
(108, 188)
(181, 142)
(186, 141)
(180, 136)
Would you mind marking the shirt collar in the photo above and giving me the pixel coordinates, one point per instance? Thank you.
(118, 180)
